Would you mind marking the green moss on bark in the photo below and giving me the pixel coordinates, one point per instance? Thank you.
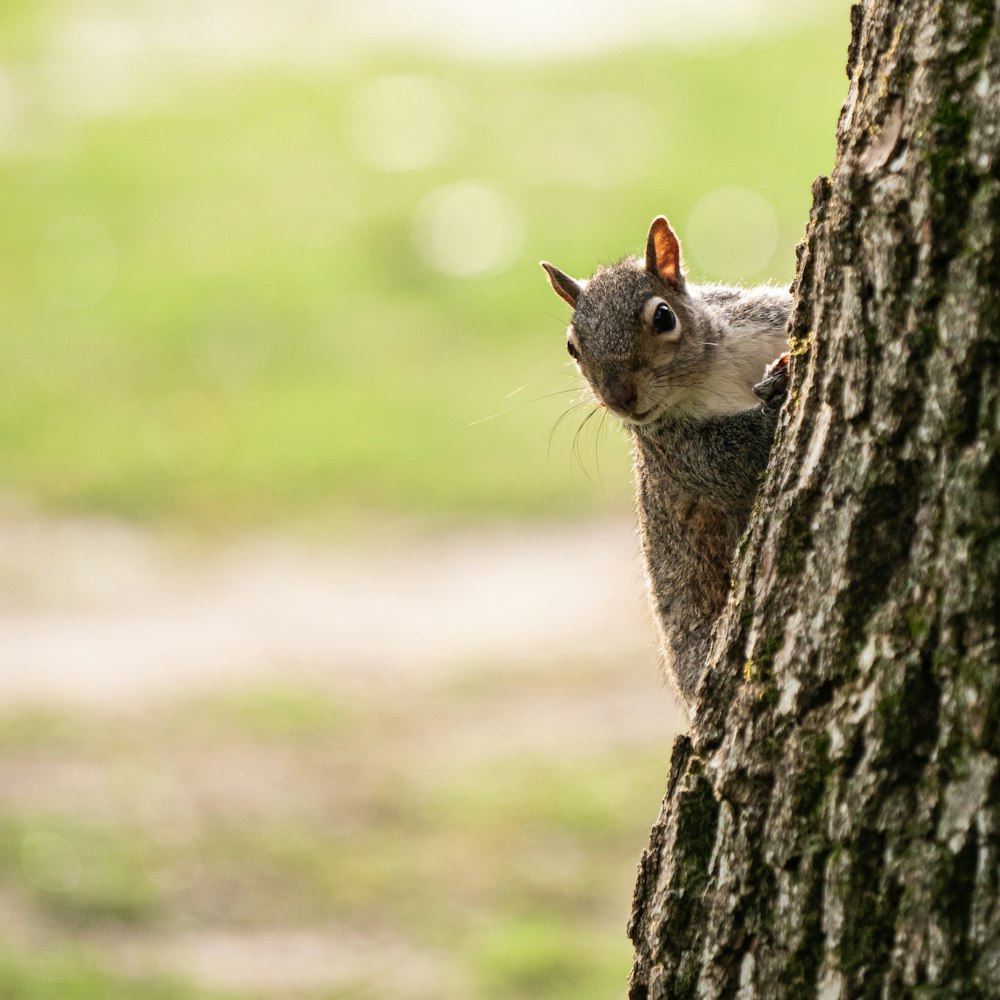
(812, 774)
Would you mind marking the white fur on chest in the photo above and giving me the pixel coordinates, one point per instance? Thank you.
(736, 364)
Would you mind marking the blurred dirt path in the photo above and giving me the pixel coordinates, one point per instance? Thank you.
(101, 616)
(94, 611)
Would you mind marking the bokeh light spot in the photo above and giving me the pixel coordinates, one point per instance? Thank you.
(732, 232)
(600, 141)
(400, 123)
(77, 260)
(606, 140)
(50, 861)
(468, 229)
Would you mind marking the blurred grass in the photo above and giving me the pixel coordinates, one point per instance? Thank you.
(273, 348)
(66, 974)
(508, 875)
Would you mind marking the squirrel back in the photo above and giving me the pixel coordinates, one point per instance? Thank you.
(681, 366)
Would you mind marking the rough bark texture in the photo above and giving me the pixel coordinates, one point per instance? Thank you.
(831, 826)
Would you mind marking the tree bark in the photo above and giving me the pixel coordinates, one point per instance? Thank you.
(831, 826)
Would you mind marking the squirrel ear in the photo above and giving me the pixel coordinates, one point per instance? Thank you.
(567, 288)
(663, 253)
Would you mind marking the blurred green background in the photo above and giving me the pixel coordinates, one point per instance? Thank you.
(272, 271)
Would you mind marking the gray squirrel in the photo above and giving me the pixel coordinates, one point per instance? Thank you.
(681, 365)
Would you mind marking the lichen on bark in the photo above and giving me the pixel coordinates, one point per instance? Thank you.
(832, 822)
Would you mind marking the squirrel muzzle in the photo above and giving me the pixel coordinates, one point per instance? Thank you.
(618, 392)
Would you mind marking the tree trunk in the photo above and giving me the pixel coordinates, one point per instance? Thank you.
(831, 826)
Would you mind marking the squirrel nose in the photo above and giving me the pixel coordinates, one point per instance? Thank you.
(619, 393)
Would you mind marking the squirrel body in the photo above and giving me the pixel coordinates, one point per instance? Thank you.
(685, 368)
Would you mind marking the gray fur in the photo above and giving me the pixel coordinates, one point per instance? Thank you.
(695, 485)
(700, 438)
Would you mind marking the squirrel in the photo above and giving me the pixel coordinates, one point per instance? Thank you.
(681, 365)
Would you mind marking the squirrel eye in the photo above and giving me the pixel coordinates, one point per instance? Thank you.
(664, 319)
(573, 352)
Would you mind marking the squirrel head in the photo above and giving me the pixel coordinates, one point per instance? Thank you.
(636, 334)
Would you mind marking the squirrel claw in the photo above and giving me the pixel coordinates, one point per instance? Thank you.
(773, 386)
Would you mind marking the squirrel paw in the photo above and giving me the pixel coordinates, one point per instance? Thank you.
(773, 386)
